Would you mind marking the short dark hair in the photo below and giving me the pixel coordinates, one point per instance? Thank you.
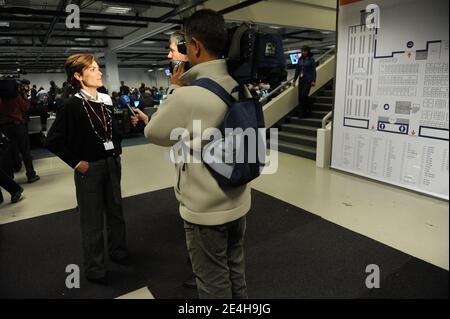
(307, 49)
(208, 26)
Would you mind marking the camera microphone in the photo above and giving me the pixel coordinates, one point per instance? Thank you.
(125, 101)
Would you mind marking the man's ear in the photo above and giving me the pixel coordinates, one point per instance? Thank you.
(198, 46)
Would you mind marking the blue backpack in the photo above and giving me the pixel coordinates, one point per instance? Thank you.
(233, 157)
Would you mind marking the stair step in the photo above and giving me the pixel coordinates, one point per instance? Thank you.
(319, 114)
(298, 150)
(317, 123)
(326, 93)
(299, 129)
(298, 139)
(322, 107)
(324, 99)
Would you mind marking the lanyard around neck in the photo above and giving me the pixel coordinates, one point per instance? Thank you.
(104, 123)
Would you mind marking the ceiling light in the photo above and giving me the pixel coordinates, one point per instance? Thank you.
(148, 42)
(6, 38)
(80, 49)
(274, 27)
(118, 10)
(4, 24)
(82, 39)
(96, 27)
(151, 70)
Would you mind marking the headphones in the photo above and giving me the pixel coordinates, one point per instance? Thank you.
(181, 46)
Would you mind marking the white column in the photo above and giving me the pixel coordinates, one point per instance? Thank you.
(111, 74)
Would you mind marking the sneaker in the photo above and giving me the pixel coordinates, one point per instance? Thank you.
(33, 179)
(17, 196)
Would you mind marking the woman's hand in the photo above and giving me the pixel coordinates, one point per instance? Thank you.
(83, 167)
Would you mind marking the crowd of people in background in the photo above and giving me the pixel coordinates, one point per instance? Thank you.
(31, 101)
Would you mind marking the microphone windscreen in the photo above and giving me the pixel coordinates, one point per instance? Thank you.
(124, 100)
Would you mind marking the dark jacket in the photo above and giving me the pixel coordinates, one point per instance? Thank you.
(72, 138)
(12, 110)
(308, 67)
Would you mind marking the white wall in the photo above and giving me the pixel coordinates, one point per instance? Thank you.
(133, 78)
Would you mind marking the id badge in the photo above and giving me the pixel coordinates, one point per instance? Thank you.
(109, 145)
(301, 75)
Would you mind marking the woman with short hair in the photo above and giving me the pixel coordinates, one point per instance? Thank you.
(306, 73)
(86, 137)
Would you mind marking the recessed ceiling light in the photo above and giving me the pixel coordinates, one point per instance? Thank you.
(79, 49)
(116, 9)
(4, 24)
(96, 27)
(148, 42)
(6, 38)
(82, 39)
(150, 70)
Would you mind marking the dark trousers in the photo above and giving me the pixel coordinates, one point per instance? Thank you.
(7, 183)
(18, 134)
(304, 88)
(217, 256)
(99, 196)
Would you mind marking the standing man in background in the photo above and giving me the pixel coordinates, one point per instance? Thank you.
(14, 104)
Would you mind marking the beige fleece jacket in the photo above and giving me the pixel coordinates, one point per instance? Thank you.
(202, 200)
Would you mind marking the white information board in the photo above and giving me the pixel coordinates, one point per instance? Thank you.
(391, 117)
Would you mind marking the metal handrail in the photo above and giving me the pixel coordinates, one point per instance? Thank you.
(326, 118)
(325, 54)
(278, 88)
(282, 85)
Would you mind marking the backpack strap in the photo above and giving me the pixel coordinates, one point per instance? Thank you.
(217, 89)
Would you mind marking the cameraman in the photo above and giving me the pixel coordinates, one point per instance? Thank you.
(14, 104)
(214, 216)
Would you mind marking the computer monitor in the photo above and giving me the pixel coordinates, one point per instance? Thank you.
(295, 57)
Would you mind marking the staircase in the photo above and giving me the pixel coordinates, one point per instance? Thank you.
(298, 136)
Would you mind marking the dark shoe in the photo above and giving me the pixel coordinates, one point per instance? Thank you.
(17, 168)
(33, 179)
(100, 280)
(190, 283)
(17, 196)
(124, 261)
